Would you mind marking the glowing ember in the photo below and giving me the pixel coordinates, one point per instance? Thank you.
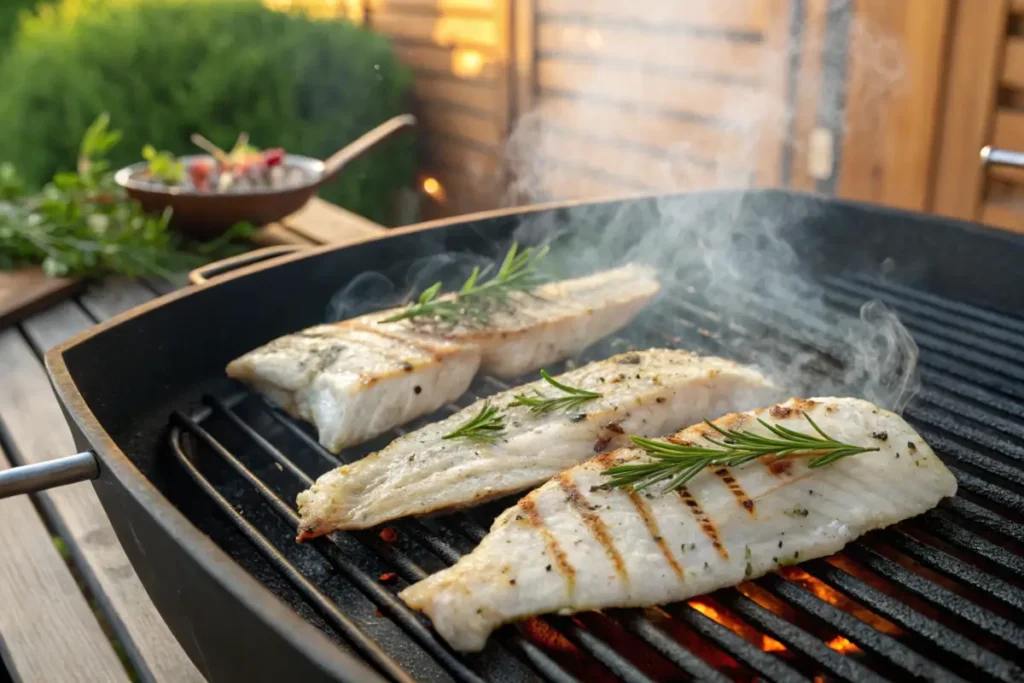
(844, 646)
(834, 597)
(741, 629)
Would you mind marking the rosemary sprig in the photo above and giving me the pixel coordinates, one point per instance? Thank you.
(679, 463)
(485, 426)
(477, 300)
(540, 404)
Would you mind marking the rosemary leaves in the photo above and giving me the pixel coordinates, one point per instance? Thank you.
(676, 464)
(540, 404)
(487, 425)
(476, 301)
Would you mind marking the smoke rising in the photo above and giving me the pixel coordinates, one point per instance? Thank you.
(731, 272)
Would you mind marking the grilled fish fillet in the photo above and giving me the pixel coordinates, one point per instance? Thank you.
(356, 379)
(647, 392)
(569, 546)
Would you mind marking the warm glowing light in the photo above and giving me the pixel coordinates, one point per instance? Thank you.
(433, 187)
(843, 646)
(736, 626)
(834, 597)
(467, 63)
(594, 40)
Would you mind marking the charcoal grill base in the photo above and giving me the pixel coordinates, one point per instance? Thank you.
(121, 383)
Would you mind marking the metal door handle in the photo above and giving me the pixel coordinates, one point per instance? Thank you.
(47, 475)
(993, 156)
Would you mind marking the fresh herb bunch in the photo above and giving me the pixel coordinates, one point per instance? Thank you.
(540, 404)
(679, 463)
(83, 224)
(487, 425)
(163, 165)
(474, 303)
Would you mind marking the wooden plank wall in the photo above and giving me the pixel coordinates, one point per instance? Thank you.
(458, 51)
(650, 95)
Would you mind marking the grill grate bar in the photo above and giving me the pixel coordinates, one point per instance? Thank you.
(599, 650)
(866, 637)
(938, 596)
(956, 568)
(939, 399)
(961, 316)
(405, 617)
(771, 667)
(914, 621)
(411, 528)
(324, 605)
(977, 514)
(944, 528)
(797, 638)
(668, 648)
(963, 431)
(987, 489)
(934, 302)
(964, 454)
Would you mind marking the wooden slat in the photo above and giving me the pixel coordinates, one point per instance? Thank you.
(719, 101)
(1017, 6)
(482, 98)
(478, 32)
(749, 16)
(772, 116)
(449, 152)
(1008, 215)
(437, 6)
(889, 149)
(463, 194)
(808, 94)
(38, 430)
(1009, 130)
(108, 298)
(470, 64)
(715, 54)
(324, 223)
(47, 630)
(634, 168)
(643, 127)
(483, 131)
(1013, 62)
(524, 57)
(565, 182)
(970, 96)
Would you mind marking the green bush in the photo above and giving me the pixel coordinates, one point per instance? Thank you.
(164, 69)
(10, 12)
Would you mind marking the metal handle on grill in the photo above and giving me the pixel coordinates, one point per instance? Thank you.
(204, 273)
(47, 475)
(993, 156)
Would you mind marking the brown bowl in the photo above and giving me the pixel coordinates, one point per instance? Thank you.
(208, 214)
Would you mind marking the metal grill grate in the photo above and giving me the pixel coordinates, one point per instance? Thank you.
(939, 597)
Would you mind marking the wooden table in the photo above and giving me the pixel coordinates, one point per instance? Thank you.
(71, 606)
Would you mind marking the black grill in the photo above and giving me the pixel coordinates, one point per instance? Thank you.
(939, 597)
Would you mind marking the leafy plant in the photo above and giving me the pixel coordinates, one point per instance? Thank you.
(83, 224)
(163, 165)
(167, 68)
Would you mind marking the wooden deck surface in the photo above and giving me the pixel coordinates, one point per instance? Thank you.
(71, 606)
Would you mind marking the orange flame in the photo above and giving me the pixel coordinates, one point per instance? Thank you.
(736, 626)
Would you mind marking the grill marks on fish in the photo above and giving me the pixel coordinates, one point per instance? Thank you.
(607, 536)
(358, 378)
(421, 472)
(652, 526)
(705, 523)
(532, 518)
(737, 491)
(593, 522)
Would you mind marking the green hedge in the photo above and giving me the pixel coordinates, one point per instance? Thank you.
(164, 69)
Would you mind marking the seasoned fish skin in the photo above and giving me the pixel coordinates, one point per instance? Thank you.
(356, 379)
(568, 547)
(647, 392)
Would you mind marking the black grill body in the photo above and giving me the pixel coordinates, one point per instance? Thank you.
(199, 476)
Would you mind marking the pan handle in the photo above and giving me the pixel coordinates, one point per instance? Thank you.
(47, 475)
(364, 144)
(993, 156)
(203, 274)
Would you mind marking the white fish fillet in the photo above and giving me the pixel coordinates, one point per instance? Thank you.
(356, 379)
(568, 547)
(646, 392)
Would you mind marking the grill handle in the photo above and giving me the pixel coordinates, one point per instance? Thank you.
(203, 274)
(993, 156)
(40, 476)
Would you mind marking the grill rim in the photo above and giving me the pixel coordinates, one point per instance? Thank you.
(127, 493)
